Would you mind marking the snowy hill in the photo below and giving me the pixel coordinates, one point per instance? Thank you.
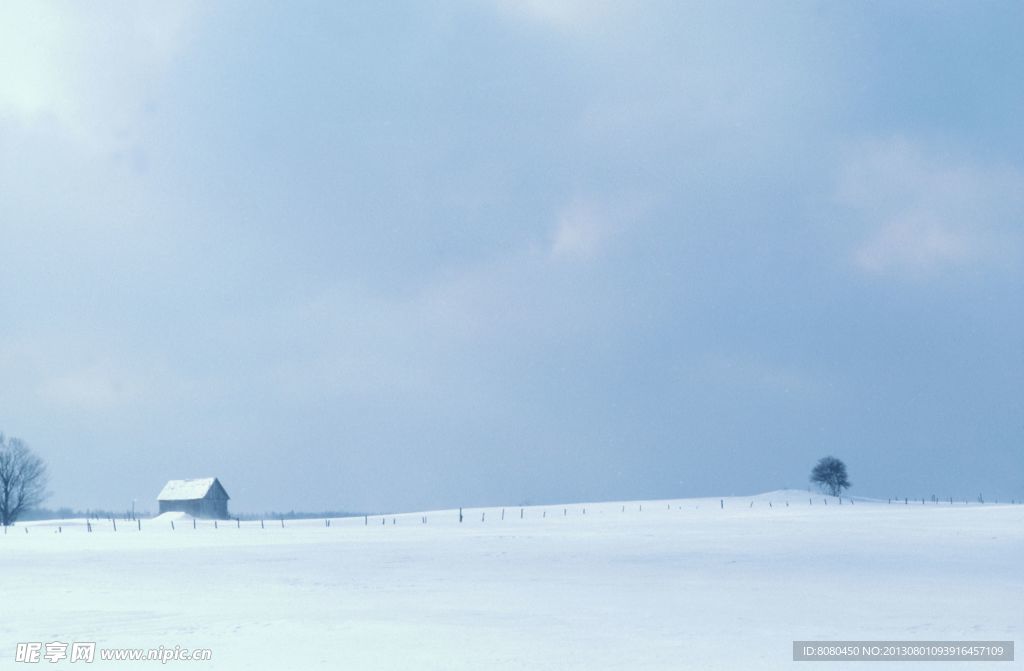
(708, 583)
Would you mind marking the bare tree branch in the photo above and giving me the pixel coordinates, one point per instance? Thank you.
(23, 479)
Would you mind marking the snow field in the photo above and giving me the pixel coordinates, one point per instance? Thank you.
(677, 585)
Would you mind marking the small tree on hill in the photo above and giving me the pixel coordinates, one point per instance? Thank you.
(22, 480)
(830, 475)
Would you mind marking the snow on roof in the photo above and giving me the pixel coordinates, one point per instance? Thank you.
(186, 490)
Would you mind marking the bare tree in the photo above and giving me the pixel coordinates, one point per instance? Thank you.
(830, 475)
(22, 480)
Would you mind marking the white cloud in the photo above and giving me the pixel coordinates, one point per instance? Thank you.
(564, 15)
(413, 344)
(92, 389)
(581, 231)
(745, 372)
(86, 68)
(916, 245)
(76, 371)
(586, 227)
(924, 214)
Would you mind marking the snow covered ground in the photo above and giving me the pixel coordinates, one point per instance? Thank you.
(679, 584)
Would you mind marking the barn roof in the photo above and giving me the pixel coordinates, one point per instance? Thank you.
(187, 490)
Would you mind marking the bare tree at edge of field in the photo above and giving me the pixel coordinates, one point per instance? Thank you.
(23, 479)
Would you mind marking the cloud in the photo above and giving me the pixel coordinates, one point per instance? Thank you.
(437, 341)
(581, 231)
(562, 15)
(87, 70)
(96, 388)
(736, 371)
(917, 245)
(924, 214)
(75, 369)
(587, 226)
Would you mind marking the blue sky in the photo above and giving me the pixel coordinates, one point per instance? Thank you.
(383, 257)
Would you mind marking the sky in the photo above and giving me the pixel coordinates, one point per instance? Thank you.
(396, 256)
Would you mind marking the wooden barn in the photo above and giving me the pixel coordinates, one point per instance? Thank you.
(199, 497)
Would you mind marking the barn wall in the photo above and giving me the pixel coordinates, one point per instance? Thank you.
(190, 507)
(214, 509)
(197, 508)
